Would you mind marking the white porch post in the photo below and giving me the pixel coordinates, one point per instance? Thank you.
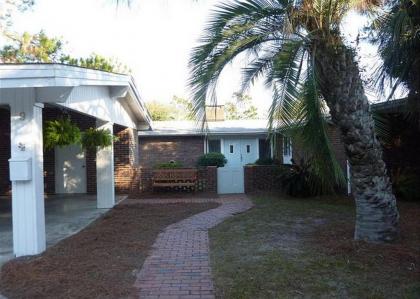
(26, 174)
(105, 173)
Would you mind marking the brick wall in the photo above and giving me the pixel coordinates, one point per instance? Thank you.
(125, 158)
(261, 178)
(337, 146)
(143, 180)
(336, 143)
(207, 179)
(184, 149)
(278, 148)
(5, 185)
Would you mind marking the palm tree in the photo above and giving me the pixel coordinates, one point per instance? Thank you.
(297, 47)
(397, 34)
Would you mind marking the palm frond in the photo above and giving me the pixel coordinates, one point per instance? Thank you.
(397, 35)
(298, 110)
(276, 37)
(313, 135)
(285, 77)
(235, 28)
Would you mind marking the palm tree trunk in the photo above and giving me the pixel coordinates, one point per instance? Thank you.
(341, 85)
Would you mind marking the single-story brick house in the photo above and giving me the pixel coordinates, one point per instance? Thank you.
(241, 141)
(32, 94)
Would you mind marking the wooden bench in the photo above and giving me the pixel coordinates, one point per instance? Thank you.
(182, 177)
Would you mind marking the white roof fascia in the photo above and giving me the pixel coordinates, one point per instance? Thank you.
(49, 75)
(59, 75)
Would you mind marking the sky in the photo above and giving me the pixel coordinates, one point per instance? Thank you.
(154, 38)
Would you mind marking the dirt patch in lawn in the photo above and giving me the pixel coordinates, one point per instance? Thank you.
(99, 262)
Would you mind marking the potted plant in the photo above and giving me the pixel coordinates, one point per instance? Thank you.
(97, 138)
(61, 132)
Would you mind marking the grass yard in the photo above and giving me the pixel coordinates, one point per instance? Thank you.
(303, 248)
(99, 262)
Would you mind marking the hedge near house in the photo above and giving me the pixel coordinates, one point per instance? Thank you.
(212, 159)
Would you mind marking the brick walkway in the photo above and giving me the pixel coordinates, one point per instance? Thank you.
(178, 266)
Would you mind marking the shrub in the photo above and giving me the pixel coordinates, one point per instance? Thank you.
(299, 180)
(267, 161)
(212, 159)
(169, 165)
(406, 184)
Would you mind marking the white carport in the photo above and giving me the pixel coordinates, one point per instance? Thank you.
(110, 98)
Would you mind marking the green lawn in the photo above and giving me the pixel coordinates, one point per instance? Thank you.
(303, 248)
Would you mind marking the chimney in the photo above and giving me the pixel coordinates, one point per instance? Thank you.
(215, 113)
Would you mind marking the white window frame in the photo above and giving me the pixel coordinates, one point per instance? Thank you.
(287, 159)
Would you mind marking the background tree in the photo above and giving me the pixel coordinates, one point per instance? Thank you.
(29, 48)
(183, 107)
(298, 47)
(241, 108)
(39, 48)
(178, 109)
(97, 62)
(160, 111)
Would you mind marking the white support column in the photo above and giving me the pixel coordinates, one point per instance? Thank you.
(26, 173)
(105, 173)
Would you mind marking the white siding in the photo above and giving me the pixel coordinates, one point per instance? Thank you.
(28, 196)
(96, 101)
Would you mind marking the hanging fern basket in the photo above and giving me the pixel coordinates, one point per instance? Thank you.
(93, 139)
(61, 132)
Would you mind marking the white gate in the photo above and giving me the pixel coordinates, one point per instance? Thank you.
(230, 180)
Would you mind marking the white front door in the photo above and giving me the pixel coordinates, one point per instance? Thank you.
(232, 152)
(238, 152)
(70, 170)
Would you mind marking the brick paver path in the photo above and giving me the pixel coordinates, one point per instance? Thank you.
(178, 265)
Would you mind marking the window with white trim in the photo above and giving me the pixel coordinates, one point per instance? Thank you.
(287, 146)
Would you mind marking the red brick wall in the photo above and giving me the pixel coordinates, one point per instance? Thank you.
(261, 178)
(278, 148)
(336, 143)
(125, 158)
(5, 185)
(184, 149)
(338, 146)
(207, 179)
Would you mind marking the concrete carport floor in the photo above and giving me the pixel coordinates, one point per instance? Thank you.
(65, 215)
